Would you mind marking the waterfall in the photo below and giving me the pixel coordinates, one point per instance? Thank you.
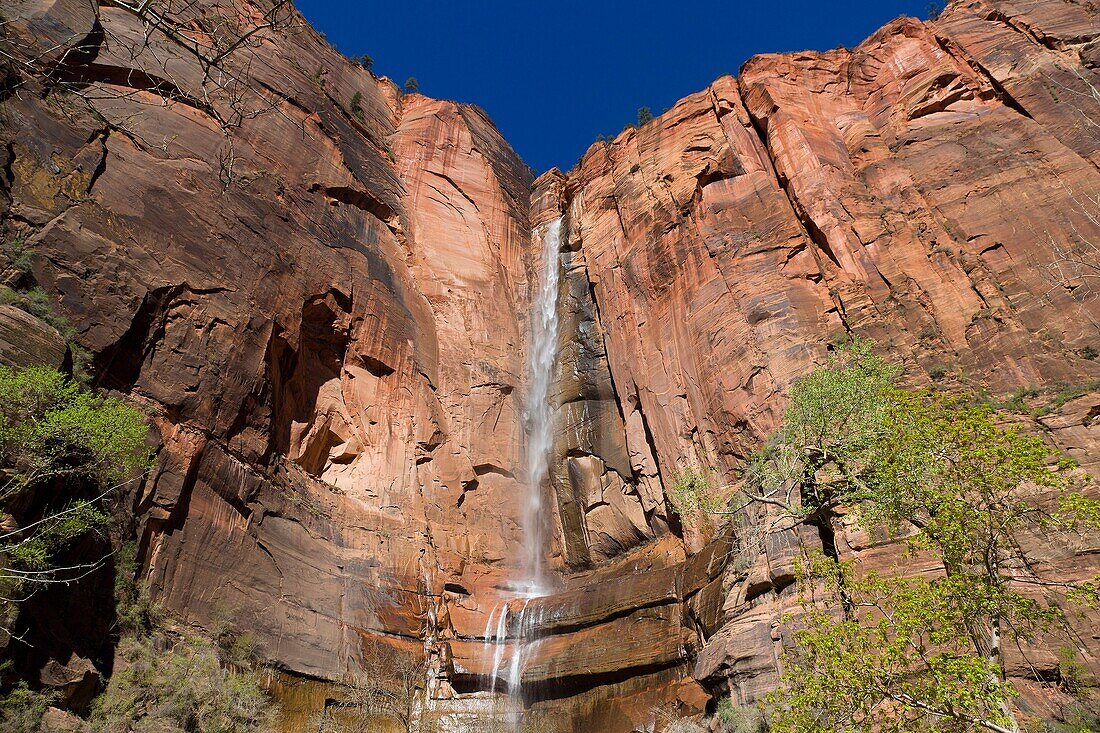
(539, 415)
(505, 624)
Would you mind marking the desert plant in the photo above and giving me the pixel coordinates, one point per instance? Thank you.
(739, 718)
(692, 493)
(135, 610)
(412, 86)
(185, 688)
(19, 257)
(21, 709)
(1072, 675)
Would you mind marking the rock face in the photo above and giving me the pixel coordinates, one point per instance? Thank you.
(319, 287)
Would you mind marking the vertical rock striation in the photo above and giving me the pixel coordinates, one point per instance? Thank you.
(320, 289)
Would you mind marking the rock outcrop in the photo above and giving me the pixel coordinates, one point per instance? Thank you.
(319, 288)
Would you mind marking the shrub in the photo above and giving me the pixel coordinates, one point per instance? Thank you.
(135, 610)
(1067, 394)
(36, 302)
(182, 689)
(20, 258)
(1089, 353)
(357, 105)
(1072, 675)
(644, 115)
(21, 709)
(1017, 401)
(739, 718)
(938, 372)
(412, 86)
(690, 492)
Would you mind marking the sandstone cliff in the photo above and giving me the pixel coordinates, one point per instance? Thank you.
(319, 288)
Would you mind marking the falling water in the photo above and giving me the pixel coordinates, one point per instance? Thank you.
(539, 416)
(506, 623)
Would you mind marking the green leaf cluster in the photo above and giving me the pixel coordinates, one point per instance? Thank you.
(50, 426)
(64, 449)
(913, 654)
(897, 658)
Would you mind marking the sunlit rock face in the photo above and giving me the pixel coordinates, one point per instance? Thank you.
(326, 307)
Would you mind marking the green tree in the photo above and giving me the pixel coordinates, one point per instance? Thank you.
(644, 115)
(365, 61)
(58, 443)
(893, 654)
(412, 86)
(357, 105)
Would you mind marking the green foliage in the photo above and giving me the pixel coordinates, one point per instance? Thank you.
(1088, 352)
(135, 611)
(1073, 677)
(363, 60)
(357, 105)
(35, 553)
(895, 654)
(21, 709)
(36, 302)
(938, 372)
(1080, 717)
(17, 254)
(690, 493)
(1065, 395)
(644, 115)
(897, 659)
(412, 86)
(55, 433)
(739, 718)
(51, 427)
(1017, 401)
(185, 688)
(837, 414)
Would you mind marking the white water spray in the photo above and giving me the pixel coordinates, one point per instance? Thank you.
(504, 623)
(539, 417)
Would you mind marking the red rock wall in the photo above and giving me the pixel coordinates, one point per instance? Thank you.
(323, 304)
(337, 398)
(935, 188)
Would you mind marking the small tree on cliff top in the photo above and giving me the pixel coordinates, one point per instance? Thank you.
(900, 654)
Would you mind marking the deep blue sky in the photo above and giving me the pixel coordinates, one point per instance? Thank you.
(555, 74)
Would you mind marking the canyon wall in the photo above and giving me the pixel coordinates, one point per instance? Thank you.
(318, 288)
